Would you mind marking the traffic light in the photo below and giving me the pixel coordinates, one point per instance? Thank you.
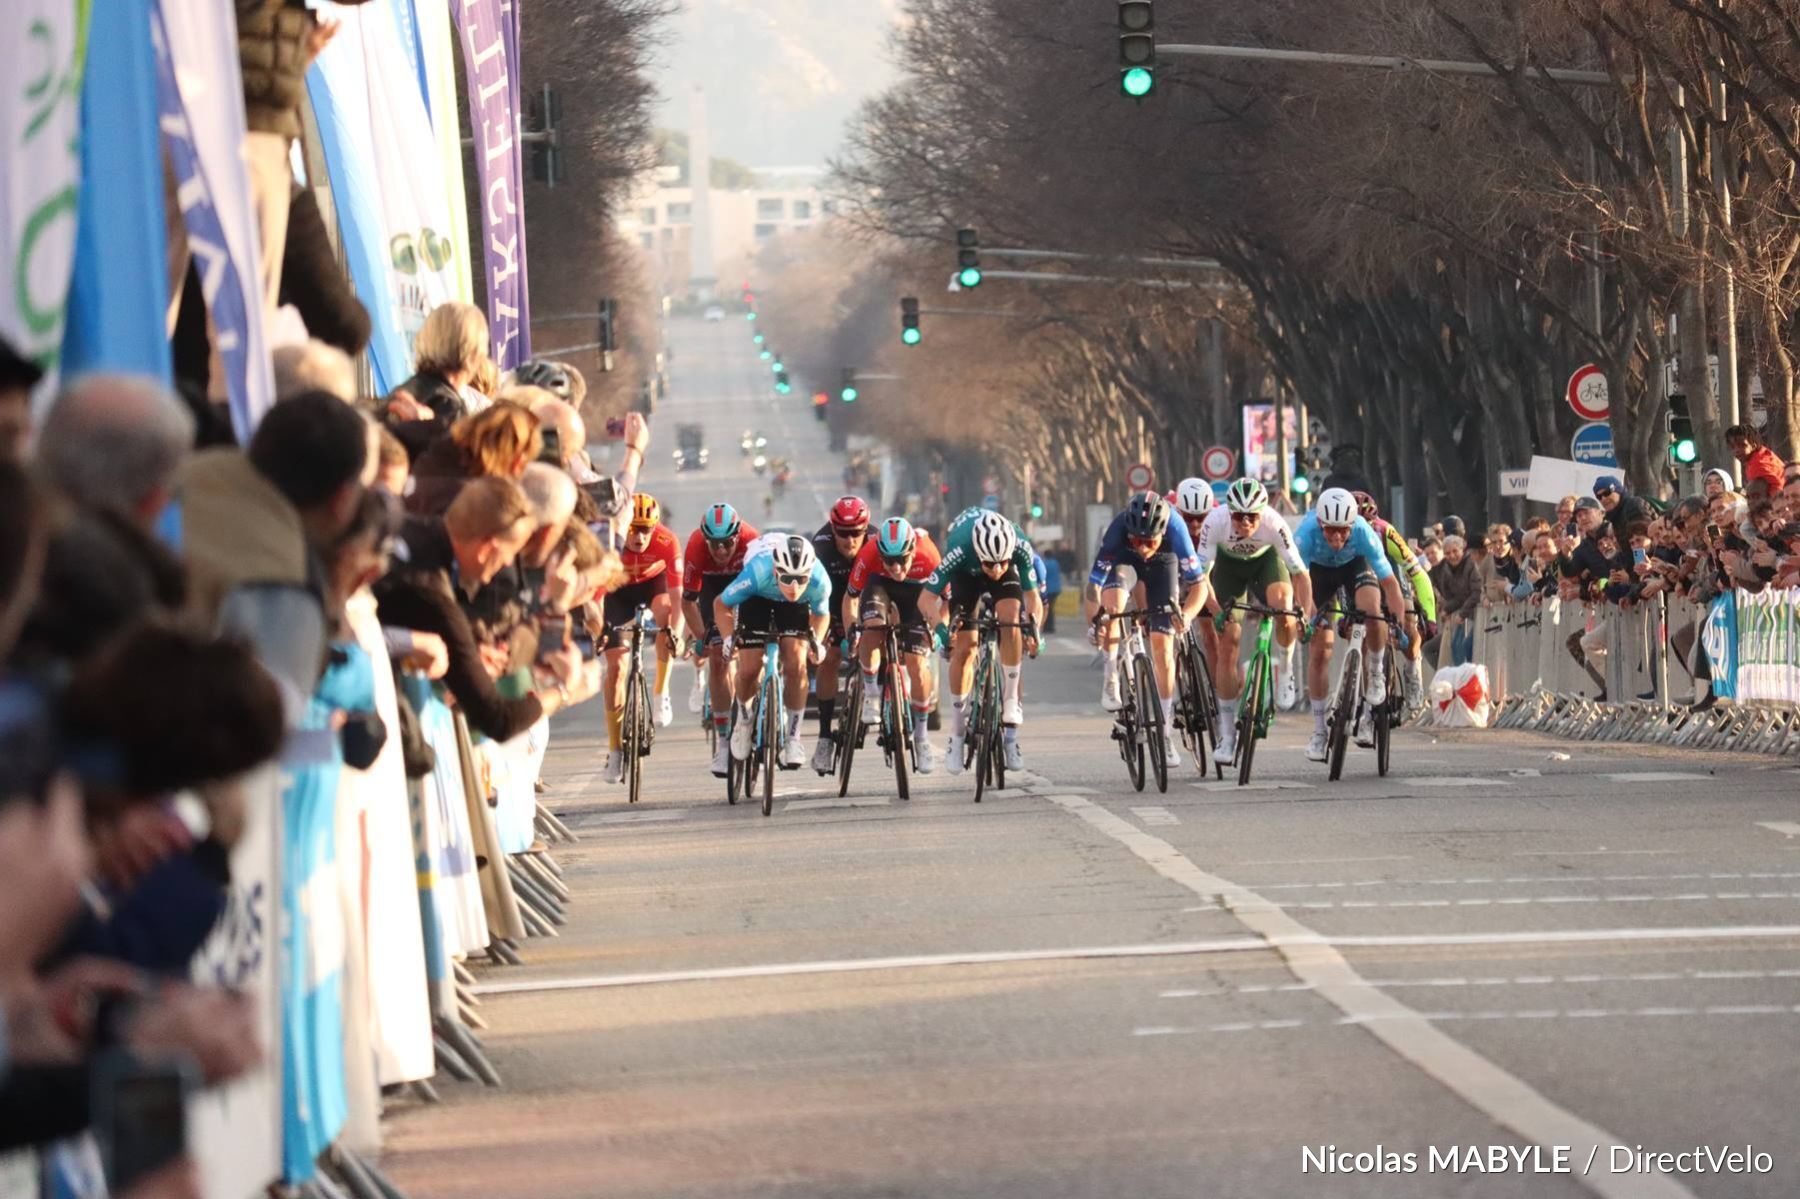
(776, 365)
(1137, 49)
(782, 385)
(751, 315)
(909, 321)
(544, 114)
(1301, 485)
(1682, 449)
(765, 355)
(757, 340)
(848, 394)
(1037, 512)
(968, 258)
(609, 334)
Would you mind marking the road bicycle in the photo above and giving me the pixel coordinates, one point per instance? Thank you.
(1138, 725)
(1350, 704)
(1196, 700)
(768, 732)
(637, 732)
(893, 735)
(1256, 700)
(984, 747)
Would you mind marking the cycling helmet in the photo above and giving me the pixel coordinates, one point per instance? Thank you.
(792, 555)
(849, 515)
(1365, 505)
(645, 511)
(720, 523)
(1247, 496)
(1193, 497)
(1337, 509)
(1147, 516)
(993, 538)
(554, 377)
(897, 539)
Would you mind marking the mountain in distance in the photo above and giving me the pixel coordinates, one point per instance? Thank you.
(781, 76)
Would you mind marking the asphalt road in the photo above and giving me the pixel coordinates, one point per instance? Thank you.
(1073, 989)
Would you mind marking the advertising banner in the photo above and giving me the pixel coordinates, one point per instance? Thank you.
(1720, 635)
(1261, 444)
(488, 33)
(1768, 646)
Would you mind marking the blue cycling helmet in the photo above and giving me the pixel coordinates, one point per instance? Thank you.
(897, 539)
(721, 523)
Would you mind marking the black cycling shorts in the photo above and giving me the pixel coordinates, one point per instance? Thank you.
(759, 620)
(966, 590)
(620, 606)
(1348, 579)
(711, 587)
(1159, 575)
(915, 638)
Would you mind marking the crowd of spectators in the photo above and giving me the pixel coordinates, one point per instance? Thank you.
(176, 621)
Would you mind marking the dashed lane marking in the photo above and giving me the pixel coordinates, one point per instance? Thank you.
(1156, 816)
(1655, 776)
(1370, 1020)
(1523, 980)
(1517, 880)
(1253, 785)
(816, 805)
(1515, 901)
(1783, 827)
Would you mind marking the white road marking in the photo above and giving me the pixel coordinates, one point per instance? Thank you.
(1783, 827)
(1526, 879)
(1401, 857)
(815, 805)
(1587, 853)
(1524, 980)
(1228, 785)
(652, 817)
(1372, 1020)
(1450, 780)
(1515, 900)
(1156, 816)
(1481, 1083)
(1655, 776)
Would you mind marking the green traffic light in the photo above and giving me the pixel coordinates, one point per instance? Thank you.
(783, 388)
(757, 340)
(776, 366)
(910, 337)
(750, 316)
(1684, 451)
(848, 395)
(1302, 484)
(765, 355)
(969, 276)
(1137, 82)
(1037, 512)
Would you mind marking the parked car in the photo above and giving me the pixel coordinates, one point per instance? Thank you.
(690, 447)
(715, 313)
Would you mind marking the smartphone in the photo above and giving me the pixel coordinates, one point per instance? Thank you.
(1713, 530)
(553, 635)
(1637, 555)
(615, 428)
(605, 494)
(140, 1114)
(552, 451)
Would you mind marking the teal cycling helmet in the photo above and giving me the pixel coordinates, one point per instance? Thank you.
(897, 539)
(721, 523)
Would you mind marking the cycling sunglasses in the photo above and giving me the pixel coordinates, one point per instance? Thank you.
(788, 580)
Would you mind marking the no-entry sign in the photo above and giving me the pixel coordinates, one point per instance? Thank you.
(1589, 395)
(1217, 462)
(1138, 476)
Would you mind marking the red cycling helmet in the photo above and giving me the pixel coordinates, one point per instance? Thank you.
(1365, 505)
(849, 515)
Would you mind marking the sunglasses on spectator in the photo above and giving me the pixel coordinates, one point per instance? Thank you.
(1600, 495)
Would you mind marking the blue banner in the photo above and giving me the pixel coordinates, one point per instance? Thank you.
(119, 294)
(1720, 637)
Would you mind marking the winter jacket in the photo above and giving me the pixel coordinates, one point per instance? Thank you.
(272, 56)
(1458, 588)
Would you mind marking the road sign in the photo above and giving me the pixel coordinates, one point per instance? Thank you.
(1589, 395)
(991, 502)
(1044, 534)
(1592, 445)
(1139, 477)
(1220, 487)
(1515, 482)
(1217, 462)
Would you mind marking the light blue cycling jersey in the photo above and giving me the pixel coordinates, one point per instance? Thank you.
(757, 580)
(1363, 543)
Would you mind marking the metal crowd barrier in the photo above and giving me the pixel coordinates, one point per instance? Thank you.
(1538, 685)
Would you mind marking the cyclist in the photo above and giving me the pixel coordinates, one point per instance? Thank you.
(1144, 546)
(1246, 547)
(1194, 500)
(715, 556)
(781, 591)
(1343, 555)
(1415, 588)
(893, 566)
(837, 543)
(984, 554)
(651, 559)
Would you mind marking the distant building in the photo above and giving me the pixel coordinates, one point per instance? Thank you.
(659, 218)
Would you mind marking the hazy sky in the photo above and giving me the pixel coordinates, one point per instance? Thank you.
(781, 76)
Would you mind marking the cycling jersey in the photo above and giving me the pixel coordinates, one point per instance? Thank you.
(867, 571)
(1407, 564)
(1217, 537)
(1362, 543)
(661, 559)
(700, 563)
(1116, 550)
(825, 548)
(959, 559)
(757, 581)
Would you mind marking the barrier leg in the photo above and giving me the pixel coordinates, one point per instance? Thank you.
(471, 1050)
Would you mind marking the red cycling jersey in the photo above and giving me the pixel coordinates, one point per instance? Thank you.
(868, 564)
(700, 561)
(661, 557)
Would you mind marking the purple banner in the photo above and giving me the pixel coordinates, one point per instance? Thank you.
(488, 34)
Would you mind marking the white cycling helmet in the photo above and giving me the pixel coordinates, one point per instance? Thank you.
(993, 538)
(1337, 509)
(793, 555)
(1247, 496)
(1194, 497)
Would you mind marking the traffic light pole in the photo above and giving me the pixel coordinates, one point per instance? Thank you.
(1162, 284)
(1202, 264)
(1380, 62)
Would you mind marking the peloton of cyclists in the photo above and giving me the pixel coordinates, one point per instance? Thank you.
(892, 569)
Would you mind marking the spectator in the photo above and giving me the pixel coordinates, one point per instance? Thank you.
(449, 349)
(393, 470)
(1538, 573)
(17, 378)
(315, 285)
(1500, 568)
(1717, 482)
(1458, 588)
(440, 561)
(1622, 510)
(314, 366)
(1762, 468)
(1431, 551)
(498, 442)
(1565, 514)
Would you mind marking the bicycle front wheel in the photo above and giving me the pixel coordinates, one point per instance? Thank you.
(986, 729)
(771, 751)
(895, 710)
(1131, 725)
(1343, 713)
(849, 732)
(632, 739)
(1156, 736)
(1250, 704)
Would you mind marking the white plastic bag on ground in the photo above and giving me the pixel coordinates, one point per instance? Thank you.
(1459, 698)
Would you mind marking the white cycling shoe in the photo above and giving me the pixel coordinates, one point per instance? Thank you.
(793, 754)
(871, 707)
(1364, 734)
(1109, 694)
(926, 756)
(721, 764)
(697, 696)
(1377, 690)
(1287, 691)
(1012, 713)
(1173, 756)
(1225, 752)
(822, 756)
(1315, 749)
(1015, 757)
(665, 711)
(615, 767)
(740, 737)
(953, 755)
